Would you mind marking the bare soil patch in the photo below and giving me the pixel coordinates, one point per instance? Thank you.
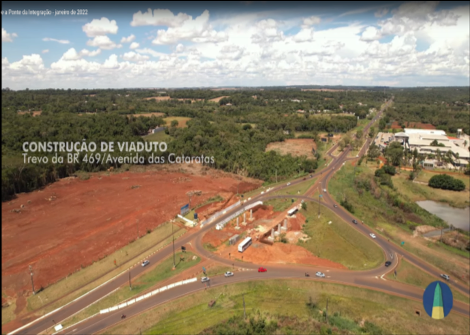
(219, 98)
(74, 222)
(295, 147)
(417, 125)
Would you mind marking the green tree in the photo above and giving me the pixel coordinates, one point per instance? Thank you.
(174, 123)
(304, 206)
(394, 153)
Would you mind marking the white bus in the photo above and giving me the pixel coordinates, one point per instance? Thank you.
(292, 211)
(244, 244)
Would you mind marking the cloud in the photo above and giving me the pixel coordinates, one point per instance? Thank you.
(72, 54)
(100, 27)
(103, 42)
(310, 21)
(6, 37)
(198, 30)
(47, 39)
(151, 52)
(381, 12)
(370, 34)
(128, 39)
(134, 57)
(267, 32)
(45, 51)
(160, 17)
(255, 50)
(134, 45)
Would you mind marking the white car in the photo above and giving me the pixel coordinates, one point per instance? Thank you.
(320, 274)
(228, 274)
(372, 235)
(205, 279)
(145, 263)
(446, 277)
(324, 190)
(288, 184)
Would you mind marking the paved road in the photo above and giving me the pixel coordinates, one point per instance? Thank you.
(325, 176)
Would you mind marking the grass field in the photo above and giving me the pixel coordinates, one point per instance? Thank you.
(347, 306)
(409, 274)
(181, 121)
(382, 217)
(140, 286)
(124, 258)
(338, 241)
(297, 189)
(161, 136)
(417, 192)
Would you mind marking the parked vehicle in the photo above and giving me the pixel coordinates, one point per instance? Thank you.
(446, 277)
(388, 263)
(205, 279)
(262, 269)
(228, 274)
(320, 274)
(145, 263)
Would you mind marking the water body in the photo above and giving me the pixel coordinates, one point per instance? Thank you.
(458, 217)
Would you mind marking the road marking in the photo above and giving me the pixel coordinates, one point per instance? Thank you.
(376, 277)
(382, 277)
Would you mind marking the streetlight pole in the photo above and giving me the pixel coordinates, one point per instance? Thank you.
(174, 264)
(32, 282)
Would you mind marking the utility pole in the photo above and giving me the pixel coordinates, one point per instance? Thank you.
(174, 264)
(244, 310)
(130, 286)
(327, 311)
(276, 176)
(32, 282)
(190, 200)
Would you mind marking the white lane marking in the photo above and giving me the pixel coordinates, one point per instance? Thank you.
(382, 277)
(376, 277)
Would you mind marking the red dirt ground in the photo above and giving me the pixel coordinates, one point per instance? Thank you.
(260, 253)
(91, 218)
(417, 125)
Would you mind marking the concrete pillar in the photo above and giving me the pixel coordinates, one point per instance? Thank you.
(237, 221)
(244, 217)
(251, 214)
(285, 223)
(272, 233)
(279, 228)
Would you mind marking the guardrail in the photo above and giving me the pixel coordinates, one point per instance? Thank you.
(148, 295)
(218, 214)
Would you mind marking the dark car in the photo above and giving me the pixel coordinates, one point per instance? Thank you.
(354, 221)
(388, 263)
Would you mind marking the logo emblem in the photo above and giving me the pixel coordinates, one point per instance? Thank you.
(438, 300)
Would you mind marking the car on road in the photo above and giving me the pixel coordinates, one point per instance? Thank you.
(446, 277)
(311, 176)
(324, 190)
(354, 221)
(335, 206)
(262, 269)
(388, 263)
(372, 235)
(205, 279)
(320, 274)
(145, 263)
(228, 274)
(288, 184)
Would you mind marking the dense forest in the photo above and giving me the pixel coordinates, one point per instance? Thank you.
(234, 130)
(447, 109)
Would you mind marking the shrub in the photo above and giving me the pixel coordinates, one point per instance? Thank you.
(347, 205)
(446, 182)
(389, 169)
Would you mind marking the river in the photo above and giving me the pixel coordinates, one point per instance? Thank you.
(458, 217)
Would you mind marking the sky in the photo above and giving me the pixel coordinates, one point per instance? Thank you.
(87, 45)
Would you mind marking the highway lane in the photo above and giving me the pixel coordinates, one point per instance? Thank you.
(361, 279)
